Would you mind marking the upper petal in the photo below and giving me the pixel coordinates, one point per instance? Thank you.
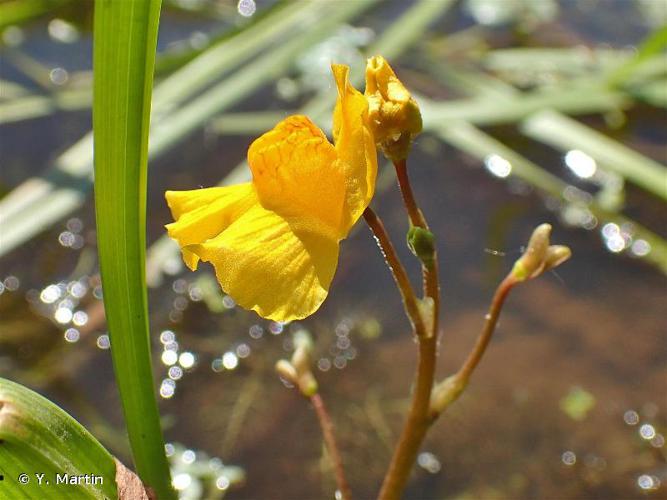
(354, 144)
(295, 173)
(201, 214)
(266, 265)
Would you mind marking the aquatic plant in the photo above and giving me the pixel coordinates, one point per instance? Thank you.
(273, 242)
(122, 109)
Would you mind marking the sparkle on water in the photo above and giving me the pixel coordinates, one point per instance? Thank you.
(62, 31)
(181, 481)
(72, 335)
(429, 462)
(59, 76)
(243, 350)
(167, 388)
(580, 163)
(63, 315)
(175, 372)
(188, 457)
(631, 417)
(648, 482)
(246, 7)
(498, 165)
(169, 357)
(187, 360)
(569, 458)
(647, 431)
(103, 341)
(230, 360)
(256, 332)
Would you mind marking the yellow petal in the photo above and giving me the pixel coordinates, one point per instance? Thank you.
(355, 145)
(201, 214)
(295, 173)
(267, 266)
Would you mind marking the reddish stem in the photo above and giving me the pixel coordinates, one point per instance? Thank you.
(330, 441)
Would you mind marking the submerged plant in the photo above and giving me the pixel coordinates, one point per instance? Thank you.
(274, 242)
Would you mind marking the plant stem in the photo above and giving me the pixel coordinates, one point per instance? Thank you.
(490, 322)
(397, 270)
(330, 440)
(418, 420)
(430, 274)
(417, 423)
(415, 214)
(459, 381)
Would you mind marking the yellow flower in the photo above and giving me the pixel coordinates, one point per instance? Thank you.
(393, 114)
(274, 241)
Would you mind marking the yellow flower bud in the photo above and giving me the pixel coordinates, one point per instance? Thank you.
(393, 114)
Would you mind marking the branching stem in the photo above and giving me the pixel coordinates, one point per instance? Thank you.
(397, 270)
(418, 420)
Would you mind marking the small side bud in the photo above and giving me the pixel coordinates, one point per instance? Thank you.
(539, 255)
(297, 370)
(393, 114)
(556, 255)
(286, 371)
(422, 244)
(446, 392)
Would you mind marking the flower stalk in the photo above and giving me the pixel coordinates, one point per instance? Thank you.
(398, 272)
(418, 420)
(298, 371)
(330, 440)
(538, 257)
(449, 390)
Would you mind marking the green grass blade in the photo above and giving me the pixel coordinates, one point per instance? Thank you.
(480, 145)
(38, 437)
(20, 11)
(565, 134)
(40, 201)
(125, 36)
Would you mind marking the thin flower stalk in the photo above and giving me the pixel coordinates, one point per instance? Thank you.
(418, 420)
(446, 392)
(330, 440)
(397, 270)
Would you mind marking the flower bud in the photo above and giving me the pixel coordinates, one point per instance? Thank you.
(422, 244)
(539, 255)
(556, 255)
(393, 114)
(286, 371)
(303, 348)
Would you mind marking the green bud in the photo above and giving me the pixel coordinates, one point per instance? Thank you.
(421, 243)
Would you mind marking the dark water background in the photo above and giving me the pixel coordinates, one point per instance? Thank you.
(591, 335)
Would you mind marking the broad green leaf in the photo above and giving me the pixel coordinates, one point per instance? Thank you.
(41, 441)
(125, 37)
